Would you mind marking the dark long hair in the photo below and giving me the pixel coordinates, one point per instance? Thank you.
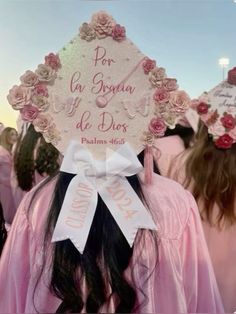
(3, 232)
(185, 133)
(24, 162)
(106, 256)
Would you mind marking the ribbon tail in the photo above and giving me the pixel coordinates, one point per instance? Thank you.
(77, 212)
(126, 207)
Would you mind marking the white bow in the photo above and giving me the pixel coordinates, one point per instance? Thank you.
(108, 179)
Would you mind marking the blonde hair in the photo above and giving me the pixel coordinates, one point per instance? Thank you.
(4, 138)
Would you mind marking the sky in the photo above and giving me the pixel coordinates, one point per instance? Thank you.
(186, 37)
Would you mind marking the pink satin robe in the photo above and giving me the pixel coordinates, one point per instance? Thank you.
(183, 280)
(220, 242)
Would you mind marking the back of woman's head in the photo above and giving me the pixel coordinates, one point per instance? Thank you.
(102, 265)
(46, 161)
(212, 172)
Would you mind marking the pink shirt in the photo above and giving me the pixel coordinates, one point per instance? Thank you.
(220, 242)
(183, 280)
(6, 196)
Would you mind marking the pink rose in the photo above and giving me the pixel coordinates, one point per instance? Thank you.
(118, 32)
(216, 129)
(202, 108)
(29, 113)
(225, 141)
(157, 127)
(232, 76)
(53, 61)
(19, 96)
(156, 75)
(42, 123)
(228, 121)
(40, 102)
(29, 79)
(179, 101)
(40, 90)
(161, 95)
(170, 84)
(103, 24)
(148, 65)
(45, 73)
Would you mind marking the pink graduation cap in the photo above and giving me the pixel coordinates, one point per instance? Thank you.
(100, 101)
(101, 90)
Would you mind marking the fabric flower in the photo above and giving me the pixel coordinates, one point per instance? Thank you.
(216, 129)
(232, 76)
(29, 113)
(118, 32)
(45, 73)
(161, 95)
(53, 61)
(228, 121)
(19, 96)
(40, 102)
(225, 141)
(156, 75)
(157, 127)
(179, 101)
(29, 79)
(148, 65)
(170, 84)
(170, 119)
(40, 90)
(42, 123)
(102, 24)
(202, 108)
(87, 32)
(52, 135)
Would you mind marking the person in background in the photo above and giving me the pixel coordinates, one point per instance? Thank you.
(34, 160)
(207, 169)
(8, 138)
(175, 141)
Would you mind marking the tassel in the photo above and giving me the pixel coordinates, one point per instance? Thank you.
(148, 164)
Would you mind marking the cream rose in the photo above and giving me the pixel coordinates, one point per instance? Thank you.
(40, 102)
(87, 32)
(45, 73)
(19, 96)
(29, 79)
(42, 123)
(52, 135)
(156, 75)
(179, 101)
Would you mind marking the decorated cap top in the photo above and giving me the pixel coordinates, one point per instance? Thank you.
(217, 109)
(99, 89)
